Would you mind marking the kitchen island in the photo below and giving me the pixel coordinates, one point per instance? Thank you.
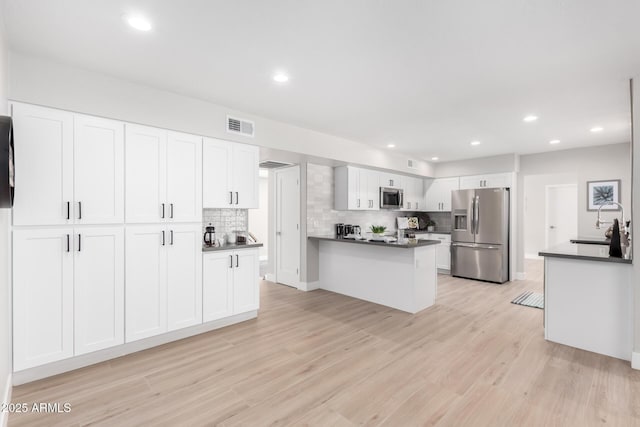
(401, 275)
(588, 298)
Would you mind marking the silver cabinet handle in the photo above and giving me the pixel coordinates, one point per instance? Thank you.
(230, 261)
(171, 237)
(79, 210)
(409, 204)
(163, 242)
(416, 205)
(237, 261)
(68, 244)
(358, 203)
(171, 210)
(237, 198)
(68, 210)
(230, 197)
(162, 210)
(79, 242)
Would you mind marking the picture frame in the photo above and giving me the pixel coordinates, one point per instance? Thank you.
(601, 192)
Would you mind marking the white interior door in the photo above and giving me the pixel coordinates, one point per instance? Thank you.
(288, 225)
(146, 151)
(42, 296)
(184, 177)
(44, 166)
(184, 275)
(561, 214)
(98, 288)
(146, 279)
(98, 178)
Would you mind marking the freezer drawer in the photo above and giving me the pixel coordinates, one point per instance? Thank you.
(481, 262)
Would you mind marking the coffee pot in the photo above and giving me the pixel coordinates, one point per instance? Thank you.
(209, 235)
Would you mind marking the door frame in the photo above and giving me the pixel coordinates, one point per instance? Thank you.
(276, 198)
(546, 208)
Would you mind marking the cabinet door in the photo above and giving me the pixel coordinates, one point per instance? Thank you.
(353, 190)
(42, 296)
(184, 275)
(217, 285)
(498, 180)
(447, 185)
(391, 180)
(98, 179)
(246, 287)
(432, 195)
(443, 256)
(44, 165)
(184, 177)
(146, 282)
(217, 162)
(98, 288)
(419, 199)
(471, 182)
(145, 151)
(371, 191)
(245, 176)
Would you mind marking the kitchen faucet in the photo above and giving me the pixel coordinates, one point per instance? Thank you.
(623, 227)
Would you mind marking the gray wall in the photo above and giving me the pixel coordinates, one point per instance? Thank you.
(576, 166)
(5, 253)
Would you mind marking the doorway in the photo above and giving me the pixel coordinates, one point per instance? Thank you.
(287, 226)
(561, 214)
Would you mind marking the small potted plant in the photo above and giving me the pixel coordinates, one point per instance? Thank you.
(431, 226)
(378, 230)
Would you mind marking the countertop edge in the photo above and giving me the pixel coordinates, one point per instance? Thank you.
(586, 257)
(231, 247)
(422, 243)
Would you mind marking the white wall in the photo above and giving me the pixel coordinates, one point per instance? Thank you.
(44, 82)
(635, 362)
(259, 218)
(478, 166)
(5, 260)
(576, 166)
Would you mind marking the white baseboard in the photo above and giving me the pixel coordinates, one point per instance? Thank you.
(308, 286)
(6, 399)
(635, 360)
(521, 275)
(270, 277)
(77, 362)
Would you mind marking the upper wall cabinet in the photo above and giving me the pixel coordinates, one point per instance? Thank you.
(230, 174)
(438, 194)
(163, 176)
(356, 189)
(44, 166)
(496, 180)
(70, 168)
(414, 197)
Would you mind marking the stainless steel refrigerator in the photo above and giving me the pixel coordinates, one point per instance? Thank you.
(480, 234)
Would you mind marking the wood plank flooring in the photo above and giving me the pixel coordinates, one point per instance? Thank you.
(322, 359)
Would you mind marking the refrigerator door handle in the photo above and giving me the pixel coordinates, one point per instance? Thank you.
(476, 214)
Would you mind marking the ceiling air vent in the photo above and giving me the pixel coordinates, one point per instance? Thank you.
(240, 126)
(272, 164)
(411, 164)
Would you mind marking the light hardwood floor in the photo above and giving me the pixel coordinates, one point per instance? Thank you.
(322, 359)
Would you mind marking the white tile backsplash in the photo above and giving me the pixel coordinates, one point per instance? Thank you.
(226, 220)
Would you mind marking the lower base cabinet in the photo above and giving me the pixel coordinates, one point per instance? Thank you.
(230, 283)
(443, 250)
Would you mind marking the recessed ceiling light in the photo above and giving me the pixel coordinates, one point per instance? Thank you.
(554, 141)
(391, 145)
(597, 129)
(530, 118)
(138, 22)
(435, 158)
(475, 142)
(281, 77)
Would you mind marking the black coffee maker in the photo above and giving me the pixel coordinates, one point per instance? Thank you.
(209, 235)
(340, 231)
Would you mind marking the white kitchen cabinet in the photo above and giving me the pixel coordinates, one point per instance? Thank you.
(184, 275)
(184, 177)
(391, 180)
(217, 285)
(163, 175)
(443, 250)
(98, 178)
(42, 296)
(356, 189)
(230, 174)
(44, 165)
(497, 180)
(146, 282)
(98, 288)
(230, 283)
(438, 194)
(414, 199)
(146, 158)
(163, 277)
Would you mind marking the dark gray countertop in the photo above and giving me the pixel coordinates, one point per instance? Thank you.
(404, 244)
(588, 252)
(426, 232)
(591, 240)
(231, 247)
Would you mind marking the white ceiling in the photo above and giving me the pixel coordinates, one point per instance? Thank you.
(429, 76)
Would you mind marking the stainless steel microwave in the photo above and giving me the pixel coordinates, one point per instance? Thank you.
(391, 198)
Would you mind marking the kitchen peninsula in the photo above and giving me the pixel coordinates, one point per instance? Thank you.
(401, 275)
(588, 298)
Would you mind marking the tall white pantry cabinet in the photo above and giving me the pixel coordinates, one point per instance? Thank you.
(73, 221)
